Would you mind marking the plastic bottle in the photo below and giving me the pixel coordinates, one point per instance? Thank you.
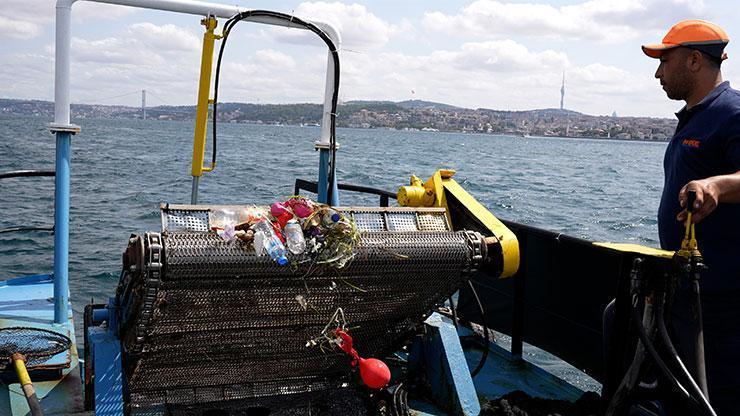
(272, 244)
(294, 237)
(330, 218)
(221, 217)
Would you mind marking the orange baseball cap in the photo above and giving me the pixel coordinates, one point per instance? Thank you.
(696, 34)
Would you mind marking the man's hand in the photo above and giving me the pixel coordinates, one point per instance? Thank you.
(707, 198)
(709, 193)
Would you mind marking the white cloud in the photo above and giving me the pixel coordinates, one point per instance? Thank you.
(27, 19)
(140, 44)
(274, 59)
(490, 72)
(359, 28)
(503, 75)
(84, 11)
(27, 75)
(18, 29)
(22, 19)
(165, 38)
(163, 59)
(594, 20)
(501, 57)
(269, 76)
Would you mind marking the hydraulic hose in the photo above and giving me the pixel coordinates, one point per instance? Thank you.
(453, 311)
(294, 21)
(670, 377)
(673, 354)
(627, 385)
(486, 336)
(701, 372)
(691, 258)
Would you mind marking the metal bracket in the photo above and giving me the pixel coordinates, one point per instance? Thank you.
(440, 356)
(327, 146)
(108, 375)
(64, 128)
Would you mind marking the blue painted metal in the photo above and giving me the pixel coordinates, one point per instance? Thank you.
(446, 369)
(29, 305)
(504, 373)
(27, 302)
(323, 182)
(106, 356)
(112, 309)
(99, 315)
(61, 227)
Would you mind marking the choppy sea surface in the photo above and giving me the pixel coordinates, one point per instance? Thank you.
(606, 190)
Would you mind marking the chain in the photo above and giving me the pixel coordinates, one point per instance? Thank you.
(476, 245)
(152, 279)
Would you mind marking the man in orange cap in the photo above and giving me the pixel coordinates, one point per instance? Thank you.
(704, 156)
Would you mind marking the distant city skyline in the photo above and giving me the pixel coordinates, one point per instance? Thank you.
(499, 54)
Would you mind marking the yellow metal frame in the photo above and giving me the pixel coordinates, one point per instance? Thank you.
(638, 249)
(204, 100)
(432, 193)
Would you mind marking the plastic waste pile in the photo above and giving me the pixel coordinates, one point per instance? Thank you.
(295, 231)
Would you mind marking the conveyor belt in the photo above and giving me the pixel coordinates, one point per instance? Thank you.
(205, 320)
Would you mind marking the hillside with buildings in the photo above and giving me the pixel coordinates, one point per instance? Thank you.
(405, 115)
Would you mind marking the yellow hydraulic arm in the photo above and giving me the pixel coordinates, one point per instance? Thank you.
(204, 101)
(435, 193)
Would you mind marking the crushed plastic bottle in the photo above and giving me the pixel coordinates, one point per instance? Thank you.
(294, 237)
(330, 218)
(222, 217)
(270, 241)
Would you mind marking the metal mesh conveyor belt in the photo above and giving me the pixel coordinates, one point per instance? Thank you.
(204, 320)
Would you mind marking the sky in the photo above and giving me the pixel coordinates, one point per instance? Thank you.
(496, 54)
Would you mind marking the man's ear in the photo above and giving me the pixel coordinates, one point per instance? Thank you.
(694, 60)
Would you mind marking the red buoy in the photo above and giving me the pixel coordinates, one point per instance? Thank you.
(374, 373)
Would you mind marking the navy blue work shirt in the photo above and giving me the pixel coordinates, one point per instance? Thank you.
(706, 143)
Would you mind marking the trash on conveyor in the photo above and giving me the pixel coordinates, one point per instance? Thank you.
(295, 231)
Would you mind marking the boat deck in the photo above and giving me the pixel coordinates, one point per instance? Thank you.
(28, 302)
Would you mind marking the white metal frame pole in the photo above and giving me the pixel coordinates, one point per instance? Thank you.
(61, 62)
(64, 129)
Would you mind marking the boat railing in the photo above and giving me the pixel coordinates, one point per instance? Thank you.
(64, 129)
(312, 186)
(26, 174)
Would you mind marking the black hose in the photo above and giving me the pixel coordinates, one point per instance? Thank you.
(620, 396)
(453, 310)
(400, 405)
(483, 358)
(294, 21)
(701, 371)
(405, 402)
(661, 364)
(673, 354)
(33, 402)
(396, 401)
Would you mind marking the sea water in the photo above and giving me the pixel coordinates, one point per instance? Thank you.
(606, 190)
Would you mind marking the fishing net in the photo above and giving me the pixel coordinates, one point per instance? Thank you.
(35, 344)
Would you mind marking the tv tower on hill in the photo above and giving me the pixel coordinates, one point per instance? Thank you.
(143, 104)
(562, 91)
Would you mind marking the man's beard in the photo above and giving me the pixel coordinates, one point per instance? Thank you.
(680, 87)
